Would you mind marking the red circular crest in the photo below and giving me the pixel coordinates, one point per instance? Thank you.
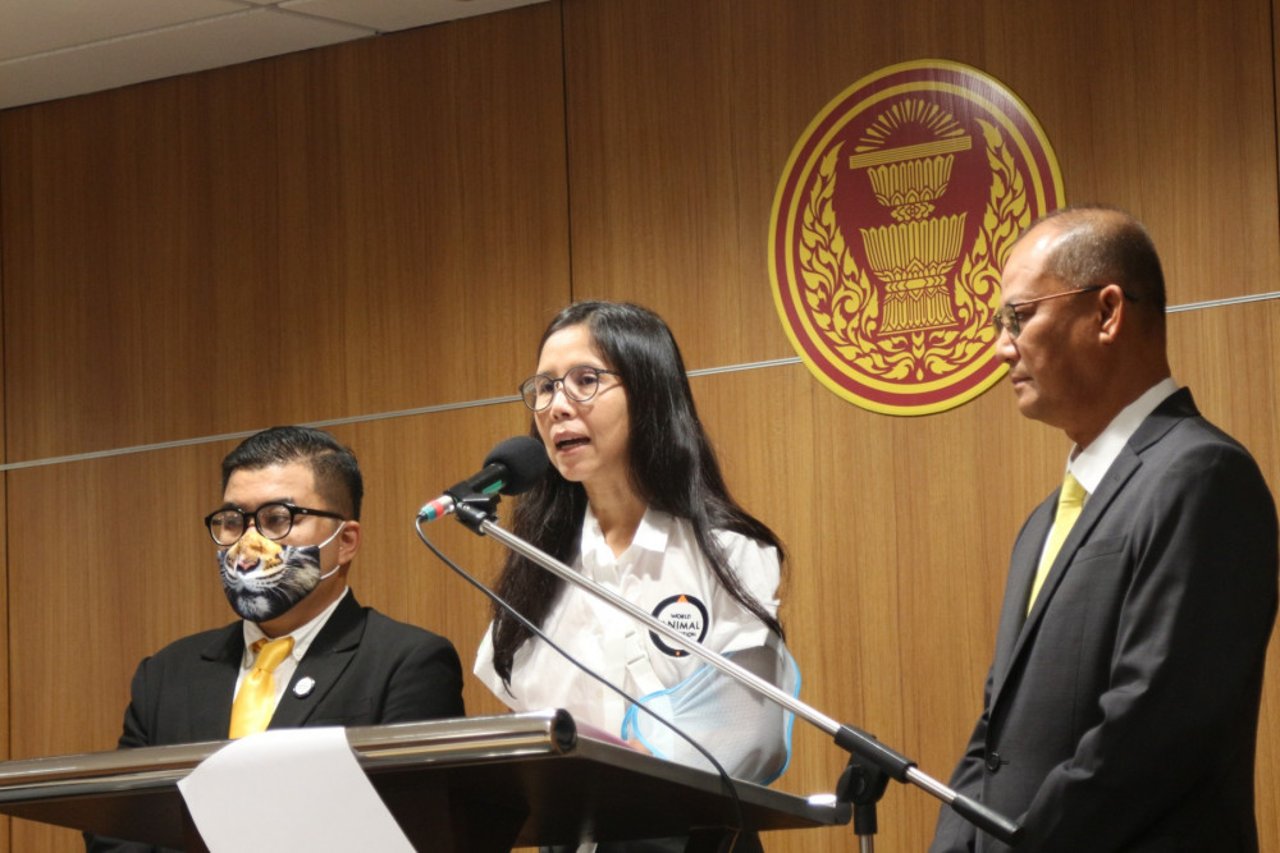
(890, 226)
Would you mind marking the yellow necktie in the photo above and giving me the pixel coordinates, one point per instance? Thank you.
(255, 703)
(1070, 502)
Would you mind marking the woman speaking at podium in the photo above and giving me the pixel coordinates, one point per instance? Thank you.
(635, 501)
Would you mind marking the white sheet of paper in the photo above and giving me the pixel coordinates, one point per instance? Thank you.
(289, 789)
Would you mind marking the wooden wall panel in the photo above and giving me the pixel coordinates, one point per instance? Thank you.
(107, 564)
(296, 239)
(389, 224)
(4, 596)
(409, 461)
(4, 566)
(1166, 110)
(681, 117)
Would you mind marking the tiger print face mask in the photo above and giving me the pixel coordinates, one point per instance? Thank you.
(264, 579)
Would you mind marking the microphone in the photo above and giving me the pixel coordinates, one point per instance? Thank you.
(510, 468)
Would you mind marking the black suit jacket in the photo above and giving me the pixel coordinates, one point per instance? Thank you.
(1121, 713)
(368, 669)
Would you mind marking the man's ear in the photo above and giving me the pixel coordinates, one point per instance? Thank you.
(348, 542)
(1112, 313)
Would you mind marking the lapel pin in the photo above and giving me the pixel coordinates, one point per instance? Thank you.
(304, 687)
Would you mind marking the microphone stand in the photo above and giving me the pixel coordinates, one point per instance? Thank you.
(873, 760)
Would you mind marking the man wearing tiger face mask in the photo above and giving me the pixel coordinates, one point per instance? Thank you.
(285, 536)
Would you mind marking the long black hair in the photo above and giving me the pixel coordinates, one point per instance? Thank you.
(672, 467)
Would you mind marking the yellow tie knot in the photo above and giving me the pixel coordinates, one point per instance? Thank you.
(256, 701)
(271, 653)
(1072, 493)
(1070, 502)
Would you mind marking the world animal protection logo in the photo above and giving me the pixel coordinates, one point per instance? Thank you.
(890, 226)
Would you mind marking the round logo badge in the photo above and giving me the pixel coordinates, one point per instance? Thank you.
(685, 614)
(890, 226)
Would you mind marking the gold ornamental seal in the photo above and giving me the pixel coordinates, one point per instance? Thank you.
(890, 225)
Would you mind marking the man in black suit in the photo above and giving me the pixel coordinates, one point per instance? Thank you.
(286, 534)
(1121, 708)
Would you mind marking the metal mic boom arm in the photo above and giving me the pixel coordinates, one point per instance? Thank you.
(475, 515)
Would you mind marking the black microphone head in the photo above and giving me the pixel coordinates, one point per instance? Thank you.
(525, 459)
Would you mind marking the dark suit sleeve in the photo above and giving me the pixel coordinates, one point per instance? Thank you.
(426, 685)
(136, 730)
(1191, 637)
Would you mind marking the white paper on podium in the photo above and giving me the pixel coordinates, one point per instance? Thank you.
(289, 789)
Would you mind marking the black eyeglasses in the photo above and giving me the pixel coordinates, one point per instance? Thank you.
(1008, 319)
(274, 520)
(580, 384)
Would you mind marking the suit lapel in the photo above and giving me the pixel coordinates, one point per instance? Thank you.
(1117, 475)
(1015, 605)
(210, 689)
(1022, 569)
(330, 653)
(1177, 406)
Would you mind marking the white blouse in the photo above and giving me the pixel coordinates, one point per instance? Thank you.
(665, 573)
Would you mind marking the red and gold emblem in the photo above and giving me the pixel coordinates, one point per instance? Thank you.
(890, 226)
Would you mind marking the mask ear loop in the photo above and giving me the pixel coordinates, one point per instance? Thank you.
(337, 566)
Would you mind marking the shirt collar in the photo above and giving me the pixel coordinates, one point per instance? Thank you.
(302, 637)
(653, 532)
(1091, 464)
(651, 535)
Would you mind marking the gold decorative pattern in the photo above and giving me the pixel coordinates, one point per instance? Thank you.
(931, 331)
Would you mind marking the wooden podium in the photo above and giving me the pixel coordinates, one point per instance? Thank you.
(468, 785)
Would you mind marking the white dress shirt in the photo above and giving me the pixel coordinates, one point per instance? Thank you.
(1090, 464)
(302, 639)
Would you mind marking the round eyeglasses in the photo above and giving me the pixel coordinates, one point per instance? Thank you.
(580, 384)
(274, 520)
